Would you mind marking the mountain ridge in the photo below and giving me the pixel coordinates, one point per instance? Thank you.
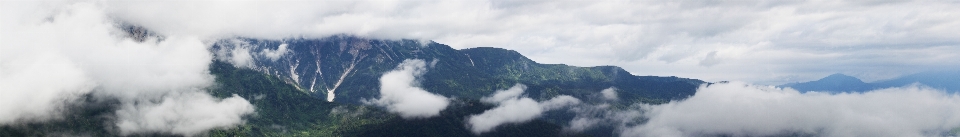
(340, 63)
(838, 83)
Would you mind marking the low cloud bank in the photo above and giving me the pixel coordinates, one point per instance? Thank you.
(55, 52)
(741, 109)
(185, 113)
(512, 108)
(399, 92)
(603, 116)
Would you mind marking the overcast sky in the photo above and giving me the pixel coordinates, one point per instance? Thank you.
(53, 52)
(765, 42)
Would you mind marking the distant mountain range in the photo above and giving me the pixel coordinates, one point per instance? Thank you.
(948, 81)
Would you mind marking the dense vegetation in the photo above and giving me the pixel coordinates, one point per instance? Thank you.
(283, 110)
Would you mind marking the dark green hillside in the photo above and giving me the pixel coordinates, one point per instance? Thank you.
(554, 79)
(89, 117)
(282, 110)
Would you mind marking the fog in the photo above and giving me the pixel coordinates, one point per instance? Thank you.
(55, 52)
(741, 109)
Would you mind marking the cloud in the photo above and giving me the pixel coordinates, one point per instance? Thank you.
(504, 95)
(702, 39)
(609, 93)
(187, 113)
(602, 115)
(275, 54)
(512, 108)
(43, 101)
(740, 109)
(237, 52)
(54, 52)
(400, 94)
(591, 116)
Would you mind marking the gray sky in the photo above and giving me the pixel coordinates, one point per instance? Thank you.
(765, 42)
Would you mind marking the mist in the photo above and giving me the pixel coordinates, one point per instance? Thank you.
(742, 109)
(513, 108)
(53, 53)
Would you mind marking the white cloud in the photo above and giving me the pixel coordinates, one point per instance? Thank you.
(740, 109)
(504, 95)
(559, 102)
(609, 93)
(581, 124)
(188, 113)
(512, 108)
(54, 52)
(517, 110)
(241, 57)
(400, 94)
(275, 54)
(237, 52)
(43, 101)
(602, 115)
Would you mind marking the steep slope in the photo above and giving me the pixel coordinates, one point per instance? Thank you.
(345, 69)
(282, 110)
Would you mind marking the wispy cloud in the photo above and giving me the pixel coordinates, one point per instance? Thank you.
(513, 108)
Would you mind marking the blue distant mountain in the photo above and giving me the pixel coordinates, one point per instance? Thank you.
(833, 83)
(944, 80)
(837, 83)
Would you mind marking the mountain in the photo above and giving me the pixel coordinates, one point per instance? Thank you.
(944, 80)
(286, 111)
(283, 110)
(346, 69)
(316, 87)
(833, 83)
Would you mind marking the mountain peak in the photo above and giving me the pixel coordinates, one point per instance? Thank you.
(840, 78)
(833, 83)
